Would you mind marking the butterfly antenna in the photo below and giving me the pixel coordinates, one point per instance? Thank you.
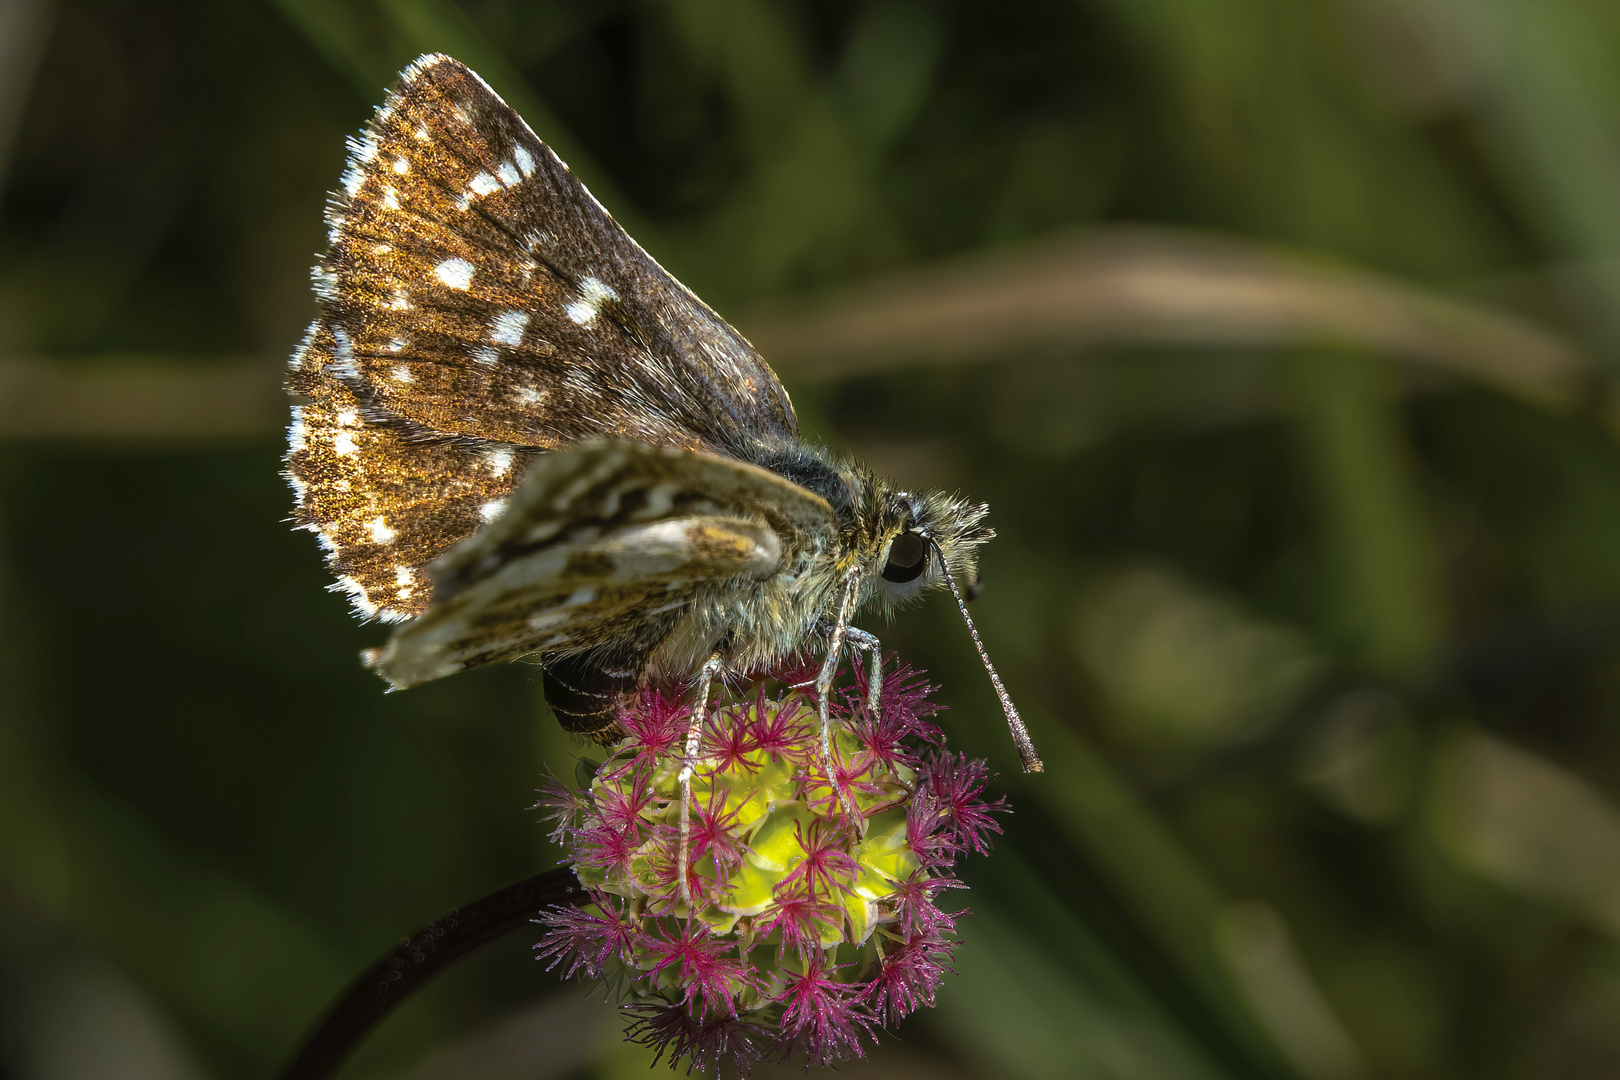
(1015, 723)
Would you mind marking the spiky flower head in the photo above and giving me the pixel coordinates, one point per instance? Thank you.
(796, 910)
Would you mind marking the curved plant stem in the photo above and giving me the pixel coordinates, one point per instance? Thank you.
(408, 968)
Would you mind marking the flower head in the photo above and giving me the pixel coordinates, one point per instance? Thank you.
(793, 909)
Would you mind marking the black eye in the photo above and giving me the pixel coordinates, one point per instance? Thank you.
(908, 558)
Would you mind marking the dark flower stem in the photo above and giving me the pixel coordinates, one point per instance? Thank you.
(401, 973)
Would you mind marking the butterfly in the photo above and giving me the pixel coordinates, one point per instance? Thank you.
(519, 435)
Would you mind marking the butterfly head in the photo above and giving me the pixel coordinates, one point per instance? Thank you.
(927, 539)
(923, 538)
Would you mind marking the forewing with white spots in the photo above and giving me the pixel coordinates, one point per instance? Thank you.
(478, 306)
(486, 293)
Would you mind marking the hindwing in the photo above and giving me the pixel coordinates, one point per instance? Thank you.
(385, 497)
(601, 546)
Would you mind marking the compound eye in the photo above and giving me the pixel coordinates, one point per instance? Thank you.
(908, 558)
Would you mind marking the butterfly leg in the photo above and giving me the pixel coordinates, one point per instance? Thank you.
(874, 650)
(829, 671)
(694, 737)
(874, 666)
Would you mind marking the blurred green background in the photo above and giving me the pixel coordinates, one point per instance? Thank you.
(1281, 336)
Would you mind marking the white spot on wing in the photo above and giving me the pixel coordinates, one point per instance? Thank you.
(528, 395)
(343, 355)
(562, 612)
(660, 500)
(401, 301)
(423, 133)
(325, 283)
(404, 575)
(487, 356)
(380, 532)
(658, 548)
(510, 177)
(492, 509)
(508, 327)
(525, 160)
(499, 461)
(403, 374)
(401, 166)
(592, 295)
(390, 199)
(456, 273)
(348, 418)
(483, 184)
(545, 530)
(395, 345)
(344, 444)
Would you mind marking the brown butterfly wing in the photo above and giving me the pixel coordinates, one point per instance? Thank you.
(601, 548)
(479, 306)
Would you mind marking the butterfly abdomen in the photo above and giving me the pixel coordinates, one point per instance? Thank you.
(586, 691)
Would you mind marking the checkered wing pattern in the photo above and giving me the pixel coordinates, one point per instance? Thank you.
(477, 307)
(602, 547)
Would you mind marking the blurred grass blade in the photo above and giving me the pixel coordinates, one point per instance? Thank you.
(223, 955)
(1015, 1012)
(554, 1038)
(24, 31)
(1549, 107)
(808, 202)
(153, 400)
(1380, 566)
(1159, 287)
(1109, 287)
(346, 34)
(1530, 825)
(1153, 875)
(1256, 942)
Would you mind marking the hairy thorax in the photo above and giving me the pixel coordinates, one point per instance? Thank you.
(751, 622)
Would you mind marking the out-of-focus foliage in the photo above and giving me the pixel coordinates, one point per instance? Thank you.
(1322, 647)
